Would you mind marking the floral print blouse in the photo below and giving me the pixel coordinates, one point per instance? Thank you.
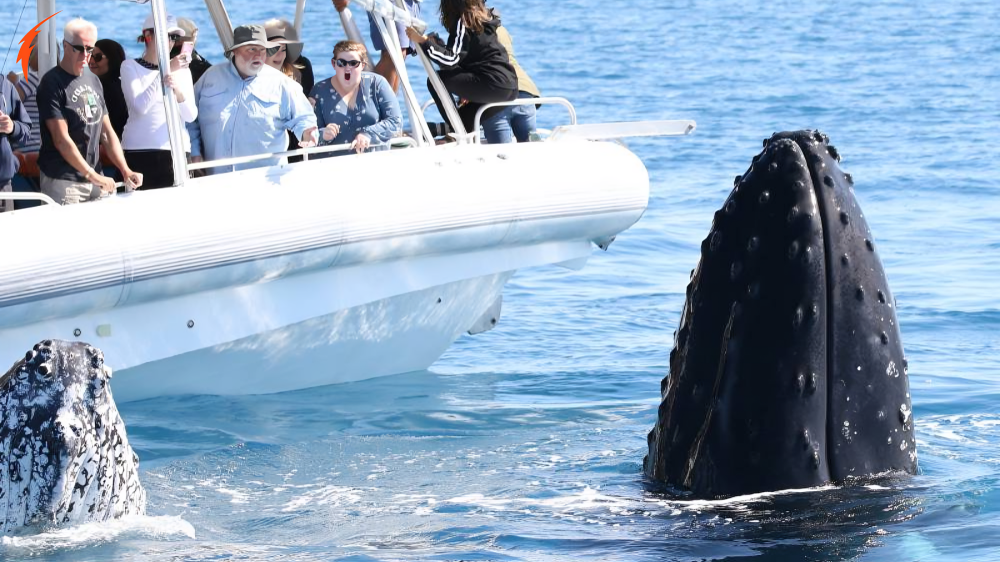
(375, 112)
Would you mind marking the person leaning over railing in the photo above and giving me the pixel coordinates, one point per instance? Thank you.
(15, 126)
(245, 106)
(354, 106)
(73, 115)
(146, 140)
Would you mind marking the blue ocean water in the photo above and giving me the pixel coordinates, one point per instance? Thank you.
(526, 442)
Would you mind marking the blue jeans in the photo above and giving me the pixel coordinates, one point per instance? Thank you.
(522, 119)
(497, 129)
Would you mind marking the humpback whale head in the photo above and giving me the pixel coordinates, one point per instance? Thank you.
(64, 455)
(787, 369)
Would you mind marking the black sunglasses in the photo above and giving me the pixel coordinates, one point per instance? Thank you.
(351, 63)
(97, 57)
(271, 51)
(80, 48)
(170, 36)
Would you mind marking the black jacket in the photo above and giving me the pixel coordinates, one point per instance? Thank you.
(478, 53)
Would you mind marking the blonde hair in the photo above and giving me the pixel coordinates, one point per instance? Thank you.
(188, 26)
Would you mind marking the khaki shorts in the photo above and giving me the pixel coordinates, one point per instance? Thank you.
(66, 192)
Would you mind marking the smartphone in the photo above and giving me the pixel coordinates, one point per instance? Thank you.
(186, 49)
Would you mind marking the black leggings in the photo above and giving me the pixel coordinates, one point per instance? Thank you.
(476, 90)
(156, 167)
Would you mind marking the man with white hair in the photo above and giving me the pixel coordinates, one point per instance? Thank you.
(74, 123)
(245, 106)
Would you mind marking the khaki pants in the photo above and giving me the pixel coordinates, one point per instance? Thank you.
(66, 192)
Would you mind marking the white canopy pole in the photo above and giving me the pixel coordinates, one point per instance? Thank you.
(48, 37)
(223, 26)
(422, 133)
(300, 8)
(174, 122)
(401, 15)
(350, 27)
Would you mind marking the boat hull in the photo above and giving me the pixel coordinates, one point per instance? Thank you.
(394, 335)
(272, 279)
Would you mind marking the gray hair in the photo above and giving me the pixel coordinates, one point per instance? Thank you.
(75, 27)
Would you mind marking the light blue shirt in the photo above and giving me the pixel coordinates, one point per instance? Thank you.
(243, 117)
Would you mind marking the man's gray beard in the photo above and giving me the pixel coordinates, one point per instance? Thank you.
(247, 68)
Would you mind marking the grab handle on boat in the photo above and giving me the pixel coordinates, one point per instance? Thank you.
(526, 101)
(29, 196)
(620, 130)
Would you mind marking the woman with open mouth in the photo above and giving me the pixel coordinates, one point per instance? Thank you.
(354, 106)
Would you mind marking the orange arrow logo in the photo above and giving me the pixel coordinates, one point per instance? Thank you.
(24, 53)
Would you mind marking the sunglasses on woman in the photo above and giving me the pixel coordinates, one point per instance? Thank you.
(97, 57)
(80, 48)
(351, 63)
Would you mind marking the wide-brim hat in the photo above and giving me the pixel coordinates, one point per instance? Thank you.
(251, 34)
(282, 32)
(172, 26)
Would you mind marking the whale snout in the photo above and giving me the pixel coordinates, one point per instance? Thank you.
(778, 373)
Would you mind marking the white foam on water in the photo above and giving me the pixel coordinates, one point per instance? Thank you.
(76, 536)
(324, 495)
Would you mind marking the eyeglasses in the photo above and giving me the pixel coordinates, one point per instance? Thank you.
(271, 51)
(351, 63)
(97, 57)
(80, 48)
(170, 36)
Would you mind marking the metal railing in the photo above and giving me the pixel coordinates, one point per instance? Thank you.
(402, 142)
(524, 101)
(22, 196)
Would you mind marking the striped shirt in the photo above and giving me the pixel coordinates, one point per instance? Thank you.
(29, 84)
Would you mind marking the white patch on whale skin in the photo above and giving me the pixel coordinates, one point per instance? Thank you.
(892, 370)
(90, 473)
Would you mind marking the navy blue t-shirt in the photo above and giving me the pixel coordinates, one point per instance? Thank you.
(79, 100)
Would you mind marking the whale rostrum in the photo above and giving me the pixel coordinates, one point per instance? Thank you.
(64, 454)
(787, 369)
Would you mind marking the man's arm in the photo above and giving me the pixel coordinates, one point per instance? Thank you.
(20, 122)
(301, 116)
(15, 79)
(67, 149)
(194, 127)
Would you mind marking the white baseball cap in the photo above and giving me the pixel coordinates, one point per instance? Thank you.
(172, 26)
